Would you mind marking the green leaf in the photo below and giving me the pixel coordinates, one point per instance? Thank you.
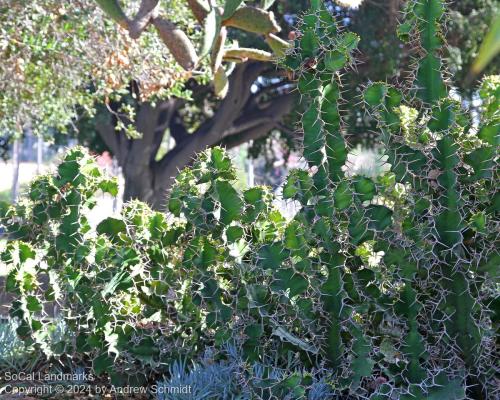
(481, 160)
(403, 31)
(490, 46)
(362, 365)
(288, 279)
(117, 280)
(211, 29)
(175, 205)
(374, 94)
(429, 82)
(113, 9)
(271, 256)
(309, 44)
(446, 389)
(335, 60)
(294, 236)
(490, 134)
(342, 196)
(145, 349)
(314, 140)
(221, 161)
(33, 304)
(258, 295)
(70, 171)
(267, 4)
(230, 7)
(350, 41)
(111, 227)
(234, 233)
(26, 252)
(380, 216)
(102, 363)
(109, 186)
(254, 195)
(231, 203)
(365, 188)
(4, 208)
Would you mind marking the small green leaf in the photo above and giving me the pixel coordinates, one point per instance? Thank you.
(490, 46)
(267, 4)
(111, 227)
(33, 304)
(109, 186)
(365, 188)
(374, 94)
(342, 196)
(335, 60)
(102, 363)
(288, 279)
(231, 203)
(212, 26)
(234, 233)
(380, 216)
(145, 349)
(258, 295)
(113, 9)
(230, 7)
(220, 160)
(309, 43)
(272, 255)
(350, 41)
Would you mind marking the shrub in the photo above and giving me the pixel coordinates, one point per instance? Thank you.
(12, 349)
(387, 284)
(234, 378)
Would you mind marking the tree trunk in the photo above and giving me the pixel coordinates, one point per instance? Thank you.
(242, 116)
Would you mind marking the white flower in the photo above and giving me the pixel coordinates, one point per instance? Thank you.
(349, 3)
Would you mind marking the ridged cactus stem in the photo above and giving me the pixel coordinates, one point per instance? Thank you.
(336, 148)
(333, 301)
(430, 85)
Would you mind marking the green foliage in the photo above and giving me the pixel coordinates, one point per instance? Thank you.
(57, 56)
(388, 284)
(57, 61)
(233, 378)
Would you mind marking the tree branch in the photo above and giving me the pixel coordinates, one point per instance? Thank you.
(237, 120)
(240, 82)
(109, 135)
(177, 129)
(141, 149)
(147, 11)
(166, 111)
(199, 11)
(258, 125)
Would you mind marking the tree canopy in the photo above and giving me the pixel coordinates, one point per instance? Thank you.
(58, 55)
(104, 66)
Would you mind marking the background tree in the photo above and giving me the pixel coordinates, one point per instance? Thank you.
(101, 65)
(127, 88)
